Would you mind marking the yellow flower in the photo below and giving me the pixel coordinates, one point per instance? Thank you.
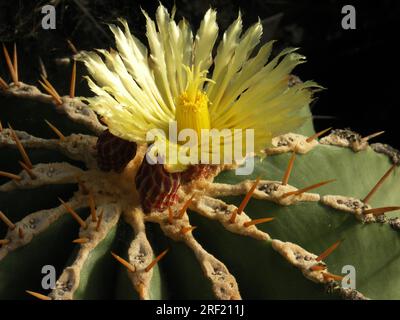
(137, 90)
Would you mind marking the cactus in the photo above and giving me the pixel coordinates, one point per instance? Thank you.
(312, 206)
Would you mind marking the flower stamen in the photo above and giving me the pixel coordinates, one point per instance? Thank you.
(192, 104)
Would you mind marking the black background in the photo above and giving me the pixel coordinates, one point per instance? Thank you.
(253, 309)
(358, 67)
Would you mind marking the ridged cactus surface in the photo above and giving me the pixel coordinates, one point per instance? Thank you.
(76, 195)
(369, 242)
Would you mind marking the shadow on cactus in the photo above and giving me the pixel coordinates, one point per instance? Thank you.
(315, 220)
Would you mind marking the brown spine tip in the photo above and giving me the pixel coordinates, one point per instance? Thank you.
(42, 67)
(125, 263)
(328, 251)
(10, 175)
(15, 63)
(100, 219)
(184, 208)
(81, 240)
(38, 295)
(55, 130)
(29, 171)
(186, 230)
(317, 135)
(303, 190)
(74, 214)
(50, 90)
(3, 84)
(379, 183)
(73, 81)
(329, 276)
(72, 47)
(256, 221)
(247, 197)
(317, 268)
(380, 211)
(289, 168)
(10, 65)
(374, 135)
(20, 148)
(232, 219)
(156, 260)
(7, 221)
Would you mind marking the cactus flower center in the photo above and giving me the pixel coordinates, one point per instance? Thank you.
(192, 112)
(192, 105)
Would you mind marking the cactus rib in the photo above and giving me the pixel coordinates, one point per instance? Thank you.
(140, 253)
(68, 282)
(74, 108)
(46, 174)
(76, 146)
(36, 223)
(223, 282)
(216, 209)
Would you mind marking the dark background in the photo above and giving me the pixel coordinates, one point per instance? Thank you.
(358, 67)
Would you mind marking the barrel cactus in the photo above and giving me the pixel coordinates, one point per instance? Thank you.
(78, 194)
